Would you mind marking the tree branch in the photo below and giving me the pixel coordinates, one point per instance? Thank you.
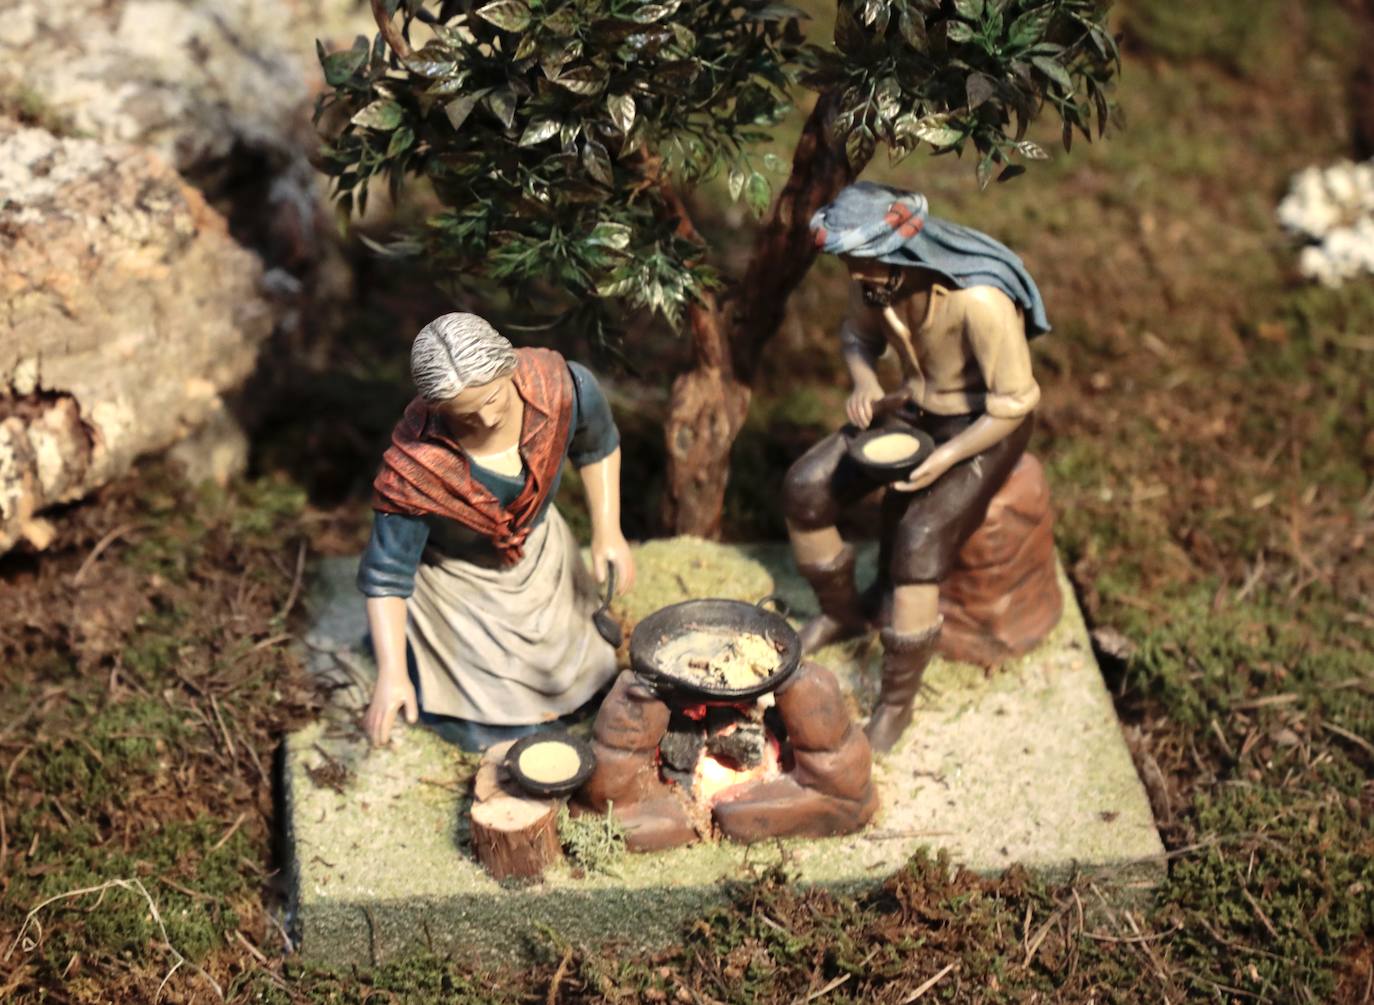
(390, 32)
(783, 247)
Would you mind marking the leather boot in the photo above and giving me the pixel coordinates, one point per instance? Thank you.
(842, 615)
(904, 662)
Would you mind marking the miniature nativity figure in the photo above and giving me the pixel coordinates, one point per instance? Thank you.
(958, 309)
(479, 605)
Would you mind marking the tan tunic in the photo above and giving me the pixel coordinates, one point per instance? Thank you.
(967, 353)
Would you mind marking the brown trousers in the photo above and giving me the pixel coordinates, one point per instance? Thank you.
(922, 532)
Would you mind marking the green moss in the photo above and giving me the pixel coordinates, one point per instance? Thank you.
(594, 844)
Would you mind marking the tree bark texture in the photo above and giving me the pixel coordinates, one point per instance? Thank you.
(710, 402)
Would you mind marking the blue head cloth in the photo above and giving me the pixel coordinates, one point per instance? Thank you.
(868, 220)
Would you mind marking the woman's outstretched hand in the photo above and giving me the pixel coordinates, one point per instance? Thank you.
(391, 695)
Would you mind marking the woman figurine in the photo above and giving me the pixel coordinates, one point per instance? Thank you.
(478, 601)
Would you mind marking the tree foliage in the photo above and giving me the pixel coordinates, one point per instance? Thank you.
(556, 133)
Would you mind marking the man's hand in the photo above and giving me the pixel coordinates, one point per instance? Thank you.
(613, 548)
(930, 471)
(389, 696)
(859, 407)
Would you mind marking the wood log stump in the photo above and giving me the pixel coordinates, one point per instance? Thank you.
(513, 834)
(1002, 598)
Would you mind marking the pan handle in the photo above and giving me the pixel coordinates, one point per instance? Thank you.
(780, 606)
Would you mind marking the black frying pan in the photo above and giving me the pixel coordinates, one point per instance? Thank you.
(669, 623)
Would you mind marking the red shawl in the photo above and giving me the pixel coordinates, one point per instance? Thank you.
(426, 473)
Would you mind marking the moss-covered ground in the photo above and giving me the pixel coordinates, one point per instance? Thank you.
(1207, 428)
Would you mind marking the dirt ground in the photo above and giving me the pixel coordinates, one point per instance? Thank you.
(1207, 429)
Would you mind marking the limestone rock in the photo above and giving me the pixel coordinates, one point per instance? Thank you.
(1002, 598)
(192, 79)
(221, 90)
(127, 311)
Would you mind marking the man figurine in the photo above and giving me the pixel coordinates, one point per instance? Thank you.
(957, 308)
(479, 605)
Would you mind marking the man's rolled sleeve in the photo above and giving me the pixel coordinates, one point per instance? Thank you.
(392, 555)
(996, 333)
(595, 436)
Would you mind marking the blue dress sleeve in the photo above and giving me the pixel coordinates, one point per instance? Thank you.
(393, 554)
(595, 436)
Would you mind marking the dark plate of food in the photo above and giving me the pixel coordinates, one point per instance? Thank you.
(552, 763)
(890, 453)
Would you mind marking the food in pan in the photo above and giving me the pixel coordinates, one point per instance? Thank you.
(891, 447)
(721, 658)
(549, 762)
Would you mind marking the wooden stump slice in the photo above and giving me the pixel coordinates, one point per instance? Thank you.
(513, 834)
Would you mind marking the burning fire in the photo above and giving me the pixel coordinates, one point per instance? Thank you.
(715, 778)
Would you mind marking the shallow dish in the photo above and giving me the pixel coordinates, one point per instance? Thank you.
(890, 470)
(536, 782)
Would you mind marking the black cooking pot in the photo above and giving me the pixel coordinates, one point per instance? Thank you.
(670, 623)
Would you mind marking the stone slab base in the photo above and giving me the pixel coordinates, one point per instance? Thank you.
(1026, 765)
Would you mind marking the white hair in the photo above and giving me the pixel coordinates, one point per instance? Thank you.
(455, 352)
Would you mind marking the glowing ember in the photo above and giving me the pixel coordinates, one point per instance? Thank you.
(714, 778)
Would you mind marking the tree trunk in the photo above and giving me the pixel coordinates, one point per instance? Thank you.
(707, 410)
(709, 403)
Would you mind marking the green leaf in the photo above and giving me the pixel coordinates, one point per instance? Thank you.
(937, 133)
(502, 104)
(562, 22)
(969, 10)
(913, 29)
(339, 66)
(584, 80)
(957, 31)
(529, 44)
(984, 171)
(459, 109)
(889, 98)
(849, 36)
(1011, 171)
(508, 15)
(1054, 71)
(652, 12)
(622, 109)
(611, 235)
(736, 182)
(382, 115)
(427, 65)
(538, 131)
(1103, 111)
(1032, 151)
(597, 161)
(858, 147)
(1030, 27)
(758, 193)
(444, 88)
(979, 89)
(401, 141)
(616, 287)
